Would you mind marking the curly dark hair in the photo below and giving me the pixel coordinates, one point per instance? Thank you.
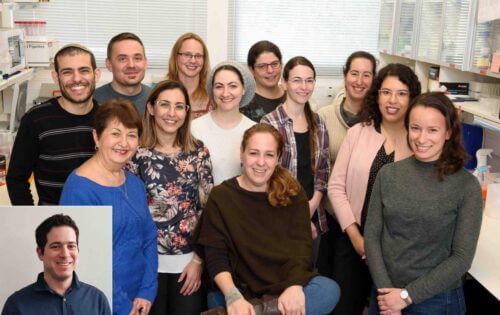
(370, 111)
(453, 157)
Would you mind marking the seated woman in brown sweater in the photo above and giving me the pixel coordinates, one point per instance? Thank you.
(256, 238)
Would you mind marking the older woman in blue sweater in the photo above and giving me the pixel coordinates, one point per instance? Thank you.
(102, 181)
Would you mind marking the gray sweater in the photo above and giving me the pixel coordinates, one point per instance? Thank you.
(421, 234)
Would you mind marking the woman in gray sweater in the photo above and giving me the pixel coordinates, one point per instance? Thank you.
(424, 217)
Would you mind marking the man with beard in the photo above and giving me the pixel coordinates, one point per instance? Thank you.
(55, 137)
(126, 59)
(57, 289)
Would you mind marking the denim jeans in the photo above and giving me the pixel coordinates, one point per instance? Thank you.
(451, 302)
(322, 294)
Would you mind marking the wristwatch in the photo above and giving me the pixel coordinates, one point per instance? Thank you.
(405, 296)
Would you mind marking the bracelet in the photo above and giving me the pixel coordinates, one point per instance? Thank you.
(197, 260)
(232, 295)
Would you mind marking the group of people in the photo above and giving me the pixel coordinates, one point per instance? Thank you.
(231, 171)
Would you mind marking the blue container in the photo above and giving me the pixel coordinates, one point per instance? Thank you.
(473, 141)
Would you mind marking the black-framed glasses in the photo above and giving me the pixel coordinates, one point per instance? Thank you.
(264, 66)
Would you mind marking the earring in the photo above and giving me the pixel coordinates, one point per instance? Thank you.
(96, 148)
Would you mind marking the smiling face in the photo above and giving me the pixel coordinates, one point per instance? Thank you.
(267, 70)
(190, 58)
(228, 90)
(116, 144)
(127, 63)
(76, 78)
(169, 111)
(60, 255)
(359, 79)
(300, 84)
(393, 100)
(427, 133)
(259, 159)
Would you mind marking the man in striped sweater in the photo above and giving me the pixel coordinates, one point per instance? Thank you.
(55, 137)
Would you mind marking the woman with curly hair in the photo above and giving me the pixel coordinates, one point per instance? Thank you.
(424, 218)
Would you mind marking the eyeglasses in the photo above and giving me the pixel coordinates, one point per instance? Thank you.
(178, 107)
(400, 94)
(300, 81)
(264, 66)
(188, 56)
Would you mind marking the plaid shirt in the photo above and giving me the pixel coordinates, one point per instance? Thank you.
(284, 124)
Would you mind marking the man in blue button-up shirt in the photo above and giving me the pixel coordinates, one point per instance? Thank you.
(57, 289)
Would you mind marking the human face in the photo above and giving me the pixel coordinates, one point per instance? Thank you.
(116, 144)
(259, 160)
(228, 90)
(60, 254)
(358, 79)
(76, 78)
(169, 111)
(300, 84)
(190, 65)
(127, 63)
(427, 133)
(393, 100)
(267, 70)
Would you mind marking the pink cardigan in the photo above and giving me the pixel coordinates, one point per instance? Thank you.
(349, 180)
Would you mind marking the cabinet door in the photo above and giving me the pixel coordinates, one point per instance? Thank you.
(406, 28)
(456, 19)
(430, 32)
(386, 28)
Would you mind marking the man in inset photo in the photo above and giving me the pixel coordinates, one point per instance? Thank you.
(57, 289)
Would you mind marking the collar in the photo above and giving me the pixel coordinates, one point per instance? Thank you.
(282, 115)
(41, 285)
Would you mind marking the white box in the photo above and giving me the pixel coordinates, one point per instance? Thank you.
(40, 51)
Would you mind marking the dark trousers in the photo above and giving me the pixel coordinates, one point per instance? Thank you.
(339, 261)
(170, 302)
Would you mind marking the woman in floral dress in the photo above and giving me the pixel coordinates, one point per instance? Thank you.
(177, 173)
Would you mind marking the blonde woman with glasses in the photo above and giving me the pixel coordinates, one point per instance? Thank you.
(189, 64)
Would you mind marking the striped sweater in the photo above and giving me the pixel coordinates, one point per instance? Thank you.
(50, 143)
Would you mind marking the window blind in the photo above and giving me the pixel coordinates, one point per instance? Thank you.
(455, 31)
(405, 36)
(386, 26)
(430, 29)
(94, 22)
(324, 31)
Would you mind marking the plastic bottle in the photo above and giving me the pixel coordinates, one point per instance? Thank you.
(483, 169)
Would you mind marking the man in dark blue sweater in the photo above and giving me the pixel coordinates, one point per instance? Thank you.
(55, 137)
(57, 289)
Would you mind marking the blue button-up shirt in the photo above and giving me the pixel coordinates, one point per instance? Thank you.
(39, 299)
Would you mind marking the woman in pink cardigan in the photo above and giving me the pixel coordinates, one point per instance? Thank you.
(379, 138)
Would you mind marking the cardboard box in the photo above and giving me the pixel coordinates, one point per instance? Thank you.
(40, 52)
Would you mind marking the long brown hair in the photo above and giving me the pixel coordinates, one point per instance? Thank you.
(453, 157)
(311, 122)
(173, 70)
(183, 139)
(282, 185)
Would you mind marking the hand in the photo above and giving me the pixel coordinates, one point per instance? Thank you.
(292, 301)
(192, 274)
(140, 307)
(389, 300)
(314, 231)
(240, 307)
(357, 240)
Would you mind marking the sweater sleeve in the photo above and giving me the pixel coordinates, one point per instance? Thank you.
(22, 163)
(149, 284)
(217, 261)
(373, 237)
(468, 225)
(337, 192)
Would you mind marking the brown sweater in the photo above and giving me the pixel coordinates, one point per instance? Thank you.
(269, 248)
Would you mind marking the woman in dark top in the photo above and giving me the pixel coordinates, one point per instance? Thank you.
(379, 139)
(256, 238)
(425, 216)
(306, 151)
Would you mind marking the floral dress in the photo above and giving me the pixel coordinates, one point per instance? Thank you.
(177, 188)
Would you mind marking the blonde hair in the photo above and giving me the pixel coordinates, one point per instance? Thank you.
(173, 70)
